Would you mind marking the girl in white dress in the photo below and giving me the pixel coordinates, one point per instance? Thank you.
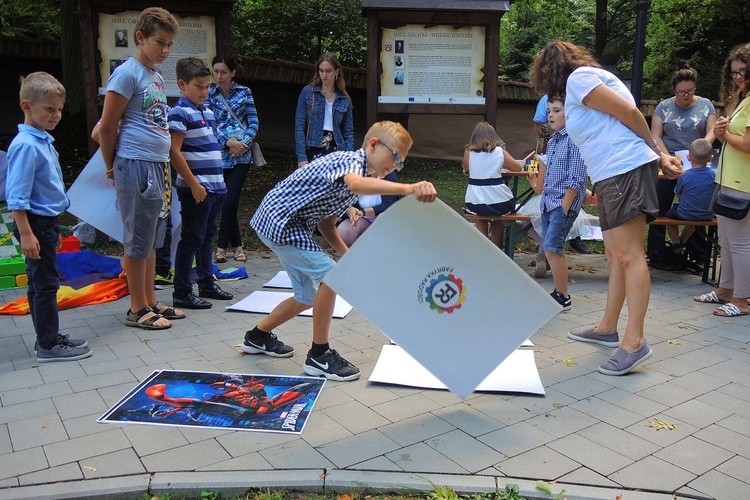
(487, 194)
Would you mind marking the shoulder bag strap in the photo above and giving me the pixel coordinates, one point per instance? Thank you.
(226, 103)
(309, 118)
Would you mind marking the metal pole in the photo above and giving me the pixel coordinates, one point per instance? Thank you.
(636, 86)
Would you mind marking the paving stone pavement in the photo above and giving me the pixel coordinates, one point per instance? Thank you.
(590, 434)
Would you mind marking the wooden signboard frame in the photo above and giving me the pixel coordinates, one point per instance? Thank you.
(89, 10)
(395, 13)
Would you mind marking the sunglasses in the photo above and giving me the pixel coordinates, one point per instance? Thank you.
(397, 160)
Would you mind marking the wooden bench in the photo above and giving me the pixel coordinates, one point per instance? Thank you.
(712, 242)
(509, 226)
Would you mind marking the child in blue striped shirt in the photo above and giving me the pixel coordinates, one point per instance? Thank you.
(196, 156)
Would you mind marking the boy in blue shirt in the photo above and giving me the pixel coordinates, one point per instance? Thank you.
(694, 189)
(137, 160)
(564, 181)
(196, 156)
(316, 196)
(36, 195)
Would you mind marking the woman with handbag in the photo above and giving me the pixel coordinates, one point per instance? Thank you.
(237, 121)
(324, 121)
(733, 199)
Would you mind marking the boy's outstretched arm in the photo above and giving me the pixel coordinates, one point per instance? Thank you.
(424, 190)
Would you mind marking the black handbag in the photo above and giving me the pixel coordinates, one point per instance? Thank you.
(731, 207)
(725, 205)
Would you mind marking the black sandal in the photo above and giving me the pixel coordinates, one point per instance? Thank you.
(141, 319)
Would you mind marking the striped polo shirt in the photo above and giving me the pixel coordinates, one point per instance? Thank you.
(200, 147)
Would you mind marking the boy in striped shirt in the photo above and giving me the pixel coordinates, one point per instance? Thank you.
(196, 156)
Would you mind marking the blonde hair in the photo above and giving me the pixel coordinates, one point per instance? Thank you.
(153, 19)
(701, 151)
(39, 85)
(484, 138)
(389, 132)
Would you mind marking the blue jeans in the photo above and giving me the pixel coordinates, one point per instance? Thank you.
(43, 279)
(556, 225)
(196, 240)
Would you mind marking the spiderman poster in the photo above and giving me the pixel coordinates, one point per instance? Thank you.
(267, 403)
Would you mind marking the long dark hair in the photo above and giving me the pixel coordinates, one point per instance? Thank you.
(554, 63)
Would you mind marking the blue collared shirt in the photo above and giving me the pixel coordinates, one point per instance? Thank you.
(565, 169)
(291, 211)
(35, 180)
(241, 101)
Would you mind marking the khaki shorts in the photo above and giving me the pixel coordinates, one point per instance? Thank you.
(627, 196)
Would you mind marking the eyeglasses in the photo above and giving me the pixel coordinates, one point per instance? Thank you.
(684, 93)
(735, 74)
(397, 160)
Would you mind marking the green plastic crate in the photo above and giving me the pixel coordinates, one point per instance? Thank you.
(12, 267)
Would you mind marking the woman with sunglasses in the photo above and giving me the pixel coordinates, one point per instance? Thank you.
(324, 120)
(676, 123)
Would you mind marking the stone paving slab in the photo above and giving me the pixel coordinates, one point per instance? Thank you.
(591, 434)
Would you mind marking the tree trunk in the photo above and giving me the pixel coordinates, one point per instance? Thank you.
(600, 29)
(72, 65)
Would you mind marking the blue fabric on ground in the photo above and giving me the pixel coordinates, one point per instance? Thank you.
(73, 265)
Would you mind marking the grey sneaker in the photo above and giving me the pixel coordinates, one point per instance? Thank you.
(65, 338)
(623, 361)
(587, 334)
(270, 346)
(62, 351)
(331, 366)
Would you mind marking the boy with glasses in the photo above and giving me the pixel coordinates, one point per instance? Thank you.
(315, 197)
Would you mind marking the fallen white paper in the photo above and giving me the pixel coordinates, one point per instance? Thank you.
(281, 280)
(442, 291)
(517, 373)
(262, 301)
(93, 200)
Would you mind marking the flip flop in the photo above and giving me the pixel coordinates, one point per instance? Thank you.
(709, 298)
(729, 311)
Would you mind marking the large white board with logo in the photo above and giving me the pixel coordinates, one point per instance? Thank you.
(443, 292)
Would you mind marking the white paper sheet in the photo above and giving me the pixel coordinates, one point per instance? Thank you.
(443, 292)
(281, 280)
(93, 200)
(262, 301)
(683, 155)
(517, 373)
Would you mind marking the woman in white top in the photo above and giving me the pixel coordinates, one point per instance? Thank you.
(622, 159)
(487, 193)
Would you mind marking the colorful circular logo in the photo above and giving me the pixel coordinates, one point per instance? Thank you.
(446, 293)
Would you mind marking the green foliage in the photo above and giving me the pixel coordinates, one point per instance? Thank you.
(510, 493)
(530, 24)
(700, 33)
(300, 29)
(209, 495)
(39, 19)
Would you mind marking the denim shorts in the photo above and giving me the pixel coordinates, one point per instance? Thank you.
(306, 268)
(140, 187)
(556, 226)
